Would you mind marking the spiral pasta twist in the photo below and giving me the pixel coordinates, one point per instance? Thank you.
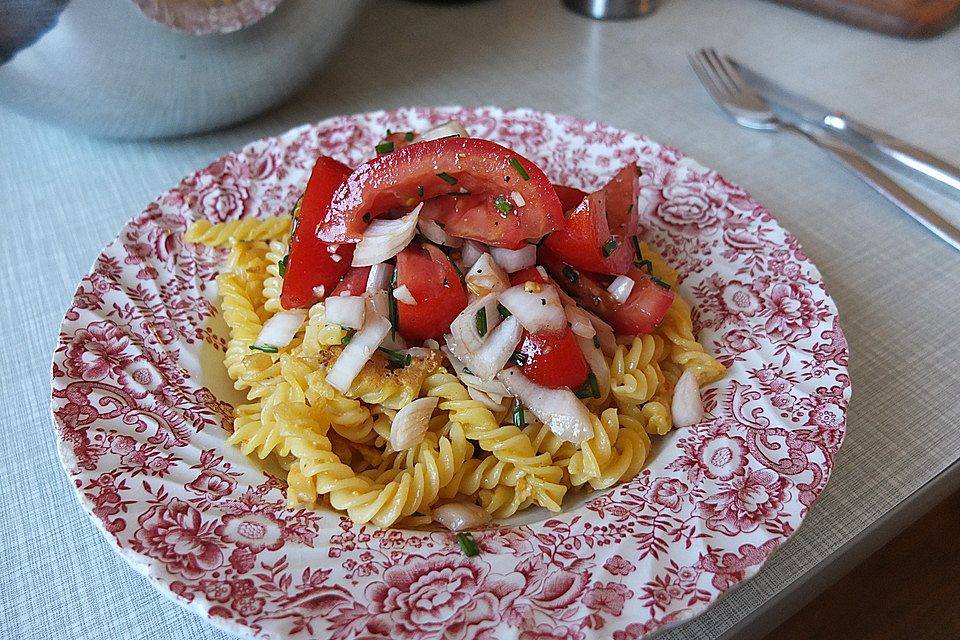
(273, 283)
(634, 373)
(219, 234)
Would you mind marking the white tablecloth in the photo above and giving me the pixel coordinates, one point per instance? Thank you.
(63, 196)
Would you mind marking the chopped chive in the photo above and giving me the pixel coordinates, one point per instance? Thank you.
(504, 312)
(446, 177)
(366, 217)
(408, 136)
(293, 227)
(503, 204)
(263, 347)
(639, 171)
(519, 359)
(596, 342)
(282, 265)
(420, 190)
(519, 420)
(636, 248)
(467, 371)
(570, 273)
(397, 358)
(346, 339)
(590, 388)
(660, 283)
(392, 305)
(481, 320)
(468, 545)
(388, 134)
(455, 268)
(519, 167)
(629, 209)
(462, 192)
(645, 264)
(384, 147)
(609, 247)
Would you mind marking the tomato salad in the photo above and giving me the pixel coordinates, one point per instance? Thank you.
(461, 244)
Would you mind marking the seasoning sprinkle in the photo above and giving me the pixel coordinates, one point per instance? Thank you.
(392, 304)
(346, 339)
(263, 347)
(468, 545)
(570, 273)
(446, 177)
(504, 312)
(590, 388)
(596, 342)
(660, 283)
(420, 190)
(408, 136)
(384, 147)
(503, 204)
(397, 358)
(519, 420)
(519, 167)
(481, 320)
(609, 247)
(519, 359)
(282, 265)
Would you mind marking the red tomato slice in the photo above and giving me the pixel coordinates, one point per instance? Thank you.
(489, 172)
(643, 310)
(354, 282)
(591, 238)
(553, 359)
(434, 283)
(530, 274)
(311, 263)
(570, 197)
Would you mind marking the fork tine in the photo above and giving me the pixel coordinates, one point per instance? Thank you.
(707, 78)
(712, 59)
(730, 72)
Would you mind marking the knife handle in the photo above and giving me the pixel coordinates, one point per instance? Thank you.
(903, 152)
(855, 162)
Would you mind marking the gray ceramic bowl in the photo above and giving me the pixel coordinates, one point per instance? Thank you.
(108, 70)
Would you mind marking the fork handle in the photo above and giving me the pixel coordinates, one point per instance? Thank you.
(903, 152)
(857, 164)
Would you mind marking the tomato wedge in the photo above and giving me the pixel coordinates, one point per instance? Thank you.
(570, 197)
(436, 286)
(354, 282)
(312, 263)
(592, 237)
(484, 172)
(553, 360)
(530, 274)
(640, 314)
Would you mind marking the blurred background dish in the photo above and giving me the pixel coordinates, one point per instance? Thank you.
(115, 69)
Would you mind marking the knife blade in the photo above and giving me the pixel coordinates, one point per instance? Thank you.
(793, 108)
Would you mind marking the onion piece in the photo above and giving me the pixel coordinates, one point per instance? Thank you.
(486, 276)
(513, 260)
(380, 300)
(430, 343)
(451, 129)
(346, 311)
(411, 423)
(517, 198)
(621, 287)
(384, 239)
(460, 516)
(434, 233)
(360, 348)
(490, 401)
(597, 362)
(580, 321)
(471, 252)
(493, 387)
(403, 295)
(537, 311)
(379, 278)
(687, 405)
(608, 342)
(464, 327)
(559, 409)
(496, 350)
(280, 329)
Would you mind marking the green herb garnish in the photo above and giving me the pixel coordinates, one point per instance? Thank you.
(596, 342)
(644, 264)
(660, 283)
(446, 177)
(366, 217)
(392, 304)
(420, 190)
(384, 147)
(468, 545)
(504, 312)
(408, 136)
(263, 347)
(519, 420)
(590, 388)
(505, 206)
(481, 320)
(519, 167)
(397, 358)
(570, 273)
(519, 359)
(282, 265)
(609, 247)
(346, 339)
(462, 192)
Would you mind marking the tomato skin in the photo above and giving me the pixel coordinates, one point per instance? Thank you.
(354, 282)
(553, 360)
(311, 264)
(528, 274)
(570, 197)
(483, 168)
(434, 283)
(592, 237)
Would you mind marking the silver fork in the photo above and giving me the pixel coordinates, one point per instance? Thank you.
(736, 97)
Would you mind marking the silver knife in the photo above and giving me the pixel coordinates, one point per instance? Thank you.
(785, 101)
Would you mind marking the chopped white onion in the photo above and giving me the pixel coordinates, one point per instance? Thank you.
(319, 292)
(461, 516)
(432, 231)
(279, 330)
(536, 310)
(486, 276)
(347, 311)
(471, 252)
(496, 350)
(621, 287)
(380, 300)
(379, 278)
(493, 387)
(517, 199)
(687, 406)
(394, 342)
(608, 342)
(464, 326)
(513, 260)
(402, 294)
(490, 401)
(411, 423)
(580, 321)
(418, 352)
(361, 347)
(384, 239)
(451, 129)
(559, 409)
(597, 362)
(430, 343)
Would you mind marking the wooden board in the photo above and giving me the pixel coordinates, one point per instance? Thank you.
(904, 18)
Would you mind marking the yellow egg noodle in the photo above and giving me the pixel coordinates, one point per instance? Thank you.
(335, 447)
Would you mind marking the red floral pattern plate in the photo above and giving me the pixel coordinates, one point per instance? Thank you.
(141, 405)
